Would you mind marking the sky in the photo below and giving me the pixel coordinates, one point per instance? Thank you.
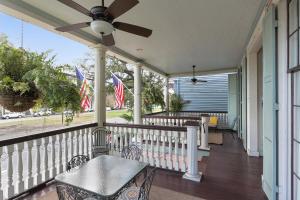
(39, 40)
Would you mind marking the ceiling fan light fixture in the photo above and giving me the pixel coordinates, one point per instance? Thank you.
(102, 27)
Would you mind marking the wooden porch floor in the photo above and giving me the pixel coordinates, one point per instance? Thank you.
(228, 174)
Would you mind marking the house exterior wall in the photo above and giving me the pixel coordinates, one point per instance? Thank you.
(209, 96)
(284, 98)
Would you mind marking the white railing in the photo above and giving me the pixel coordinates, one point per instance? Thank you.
(163, 147)
(29, 161)
(179, 118)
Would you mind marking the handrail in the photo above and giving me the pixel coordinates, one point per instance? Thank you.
(165, 128)
(186, 111)
(26, 138)
(171, 117)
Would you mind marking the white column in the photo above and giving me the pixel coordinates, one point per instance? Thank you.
(204, 133)
(192, 155)
(99, 91)
(166, 94)
(252, 128)
(137, 95)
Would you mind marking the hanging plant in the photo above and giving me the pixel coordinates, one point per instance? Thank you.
(28, 77)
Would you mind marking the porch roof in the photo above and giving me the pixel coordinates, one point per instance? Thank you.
(209, 34)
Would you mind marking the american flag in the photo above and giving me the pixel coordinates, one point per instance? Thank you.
(84, 91)
(119, 91)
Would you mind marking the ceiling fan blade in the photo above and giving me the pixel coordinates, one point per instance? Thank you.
(73, 27)
(201, 81)
(119, 7)
(137, 30)
(76, 6)
(108, 40)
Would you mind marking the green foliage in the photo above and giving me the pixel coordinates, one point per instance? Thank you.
(27, 73)
(176, 103)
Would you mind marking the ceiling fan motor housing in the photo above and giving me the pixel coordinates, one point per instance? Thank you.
(101, 24)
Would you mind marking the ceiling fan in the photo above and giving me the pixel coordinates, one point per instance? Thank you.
(103, 19)
(194, 79)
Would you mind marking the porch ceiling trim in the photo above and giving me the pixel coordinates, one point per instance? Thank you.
(26, 12)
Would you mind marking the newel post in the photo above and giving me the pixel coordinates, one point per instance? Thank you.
(192, 152)
(204, 132)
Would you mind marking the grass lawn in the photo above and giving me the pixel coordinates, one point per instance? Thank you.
(116, 113)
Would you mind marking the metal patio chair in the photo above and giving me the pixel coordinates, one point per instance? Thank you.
(132, 152)
(100, 141)
(77, 161)
(142, 192)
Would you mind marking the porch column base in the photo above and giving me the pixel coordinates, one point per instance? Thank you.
(193, 177)
(204, 148)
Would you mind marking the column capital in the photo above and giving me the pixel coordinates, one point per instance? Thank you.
(99, 46)
(138, 64)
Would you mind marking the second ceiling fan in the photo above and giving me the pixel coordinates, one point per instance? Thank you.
(103, 20)
(194, 79)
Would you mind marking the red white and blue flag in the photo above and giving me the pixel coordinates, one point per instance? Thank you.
(119, 91)
(84, 91)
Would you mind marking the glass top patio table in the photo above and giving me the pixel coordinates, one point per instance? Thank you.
(104, 176)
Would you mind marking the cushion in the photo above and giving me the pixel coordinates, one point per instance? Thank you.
(131, 193)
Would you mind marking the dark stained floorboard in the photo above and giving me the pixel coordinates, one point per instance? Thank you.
(228, 174)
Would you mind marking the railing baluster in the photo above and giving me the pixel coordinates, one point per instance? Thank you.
(59, 164)
(10, 171)
(146, 145)
(19, 148)
(29, 169)
(121, 134)
(38, 176)
(80, 140)
(52, 144)
(183, 138)
(170, 163)
(158, 138)
(70, 146)
(175, 135)
(142, 141)
(45, 174)
(85, 142)
(76, 143)
(152, 148)
(65, 151)
(89, 141)
(163, 135)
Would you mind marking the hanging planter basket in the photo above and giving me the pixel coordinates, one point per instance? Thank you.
(17, 103)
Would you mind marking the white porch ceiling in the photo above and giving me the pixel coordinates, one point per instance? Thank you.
(211, 34)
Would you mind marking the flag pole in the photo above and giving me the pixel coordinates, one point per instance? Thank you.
(122, 82)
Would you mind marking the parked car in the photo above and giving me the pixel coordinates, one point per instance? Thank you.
(42, 113)
(13, 115)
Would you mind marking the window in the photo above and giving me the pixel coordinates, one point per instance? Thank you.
(294, 69)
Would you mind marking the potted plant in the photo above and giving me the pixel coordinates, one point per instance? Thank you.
(176, 103)
(28, 78)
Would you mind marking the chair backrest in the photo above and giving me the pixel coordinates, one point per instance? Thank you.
(146, 185)
(77, 161)
(132, 152)
(100, 137)
(213, 121)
